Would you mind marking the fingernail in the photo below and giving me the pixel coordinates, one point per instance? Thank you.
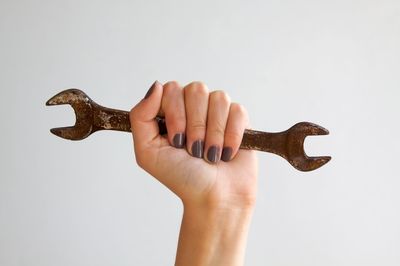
(150, 91)
(197, 148)
(179, 140)
(213, 154)
(226, 154)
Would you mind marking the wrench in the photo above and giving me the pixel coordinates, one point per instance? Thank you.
(92, 117)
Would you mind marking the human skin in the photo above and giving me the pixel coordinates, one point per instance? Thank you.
(217, 186)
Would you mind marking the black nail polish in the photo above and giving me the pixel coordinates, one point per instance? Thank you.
(213, 154)
(150, 91)
(179, 140)
(197, 148)
(226, 154)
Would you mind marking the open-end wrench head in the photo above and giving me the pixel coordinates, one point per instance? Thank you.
(82, 106)
(295, 146)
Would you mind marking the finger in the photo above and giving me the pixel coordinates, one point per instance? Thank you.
(144, 127)
(237, 123)
(196, 105)
(173, 106)
(217, 117)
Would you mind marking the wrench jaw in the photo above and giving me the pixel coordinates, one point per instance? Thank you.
(295, 146)
(71, 133)
(308, 129)
(306, 164)
(70, 96)
(82, 106)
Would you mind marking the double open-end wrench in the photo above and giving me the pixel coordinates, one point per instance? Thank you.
(92, 117)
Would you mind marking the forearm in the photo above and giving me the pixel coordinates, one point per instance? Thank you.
(213, 236)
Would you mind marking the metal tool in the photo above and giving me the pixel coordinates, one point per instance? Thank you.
(92, 117)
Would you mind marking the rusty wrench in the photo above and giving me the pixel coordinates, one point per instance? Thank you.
(92, 117)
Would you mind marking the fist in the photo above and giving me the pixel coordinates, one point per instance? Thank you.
(199, 159)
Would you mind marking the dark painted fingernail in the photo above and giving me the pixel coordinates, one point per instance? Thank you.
(226, 154)
(213, 154)
(197, 148)
(179, 140)
(150, 91)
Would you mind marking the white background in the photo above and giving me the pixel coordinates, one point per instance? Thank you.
(335, 63)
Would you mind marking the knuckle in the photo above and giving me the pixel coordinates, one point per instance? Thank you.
(197, 88)
(171, 86)
(198, 125)
(220, 96)
(217, 131)
(172, 83)
(238, 109)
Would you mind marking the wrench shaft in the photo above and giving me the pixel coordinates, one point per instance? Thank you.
(114, 119)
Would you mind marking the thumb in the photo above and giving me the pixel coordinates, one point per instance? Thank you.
(144, 126)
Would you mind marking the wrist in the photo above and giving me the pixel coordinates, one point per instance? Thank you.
(220, 216)
(208, 202)
(214, 235)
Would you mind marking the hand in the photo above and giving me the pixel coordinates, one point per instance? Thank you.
(206, 120)
(201, 163)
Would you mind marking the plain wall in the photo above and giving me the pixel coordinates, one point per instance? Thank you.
(335, 63)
